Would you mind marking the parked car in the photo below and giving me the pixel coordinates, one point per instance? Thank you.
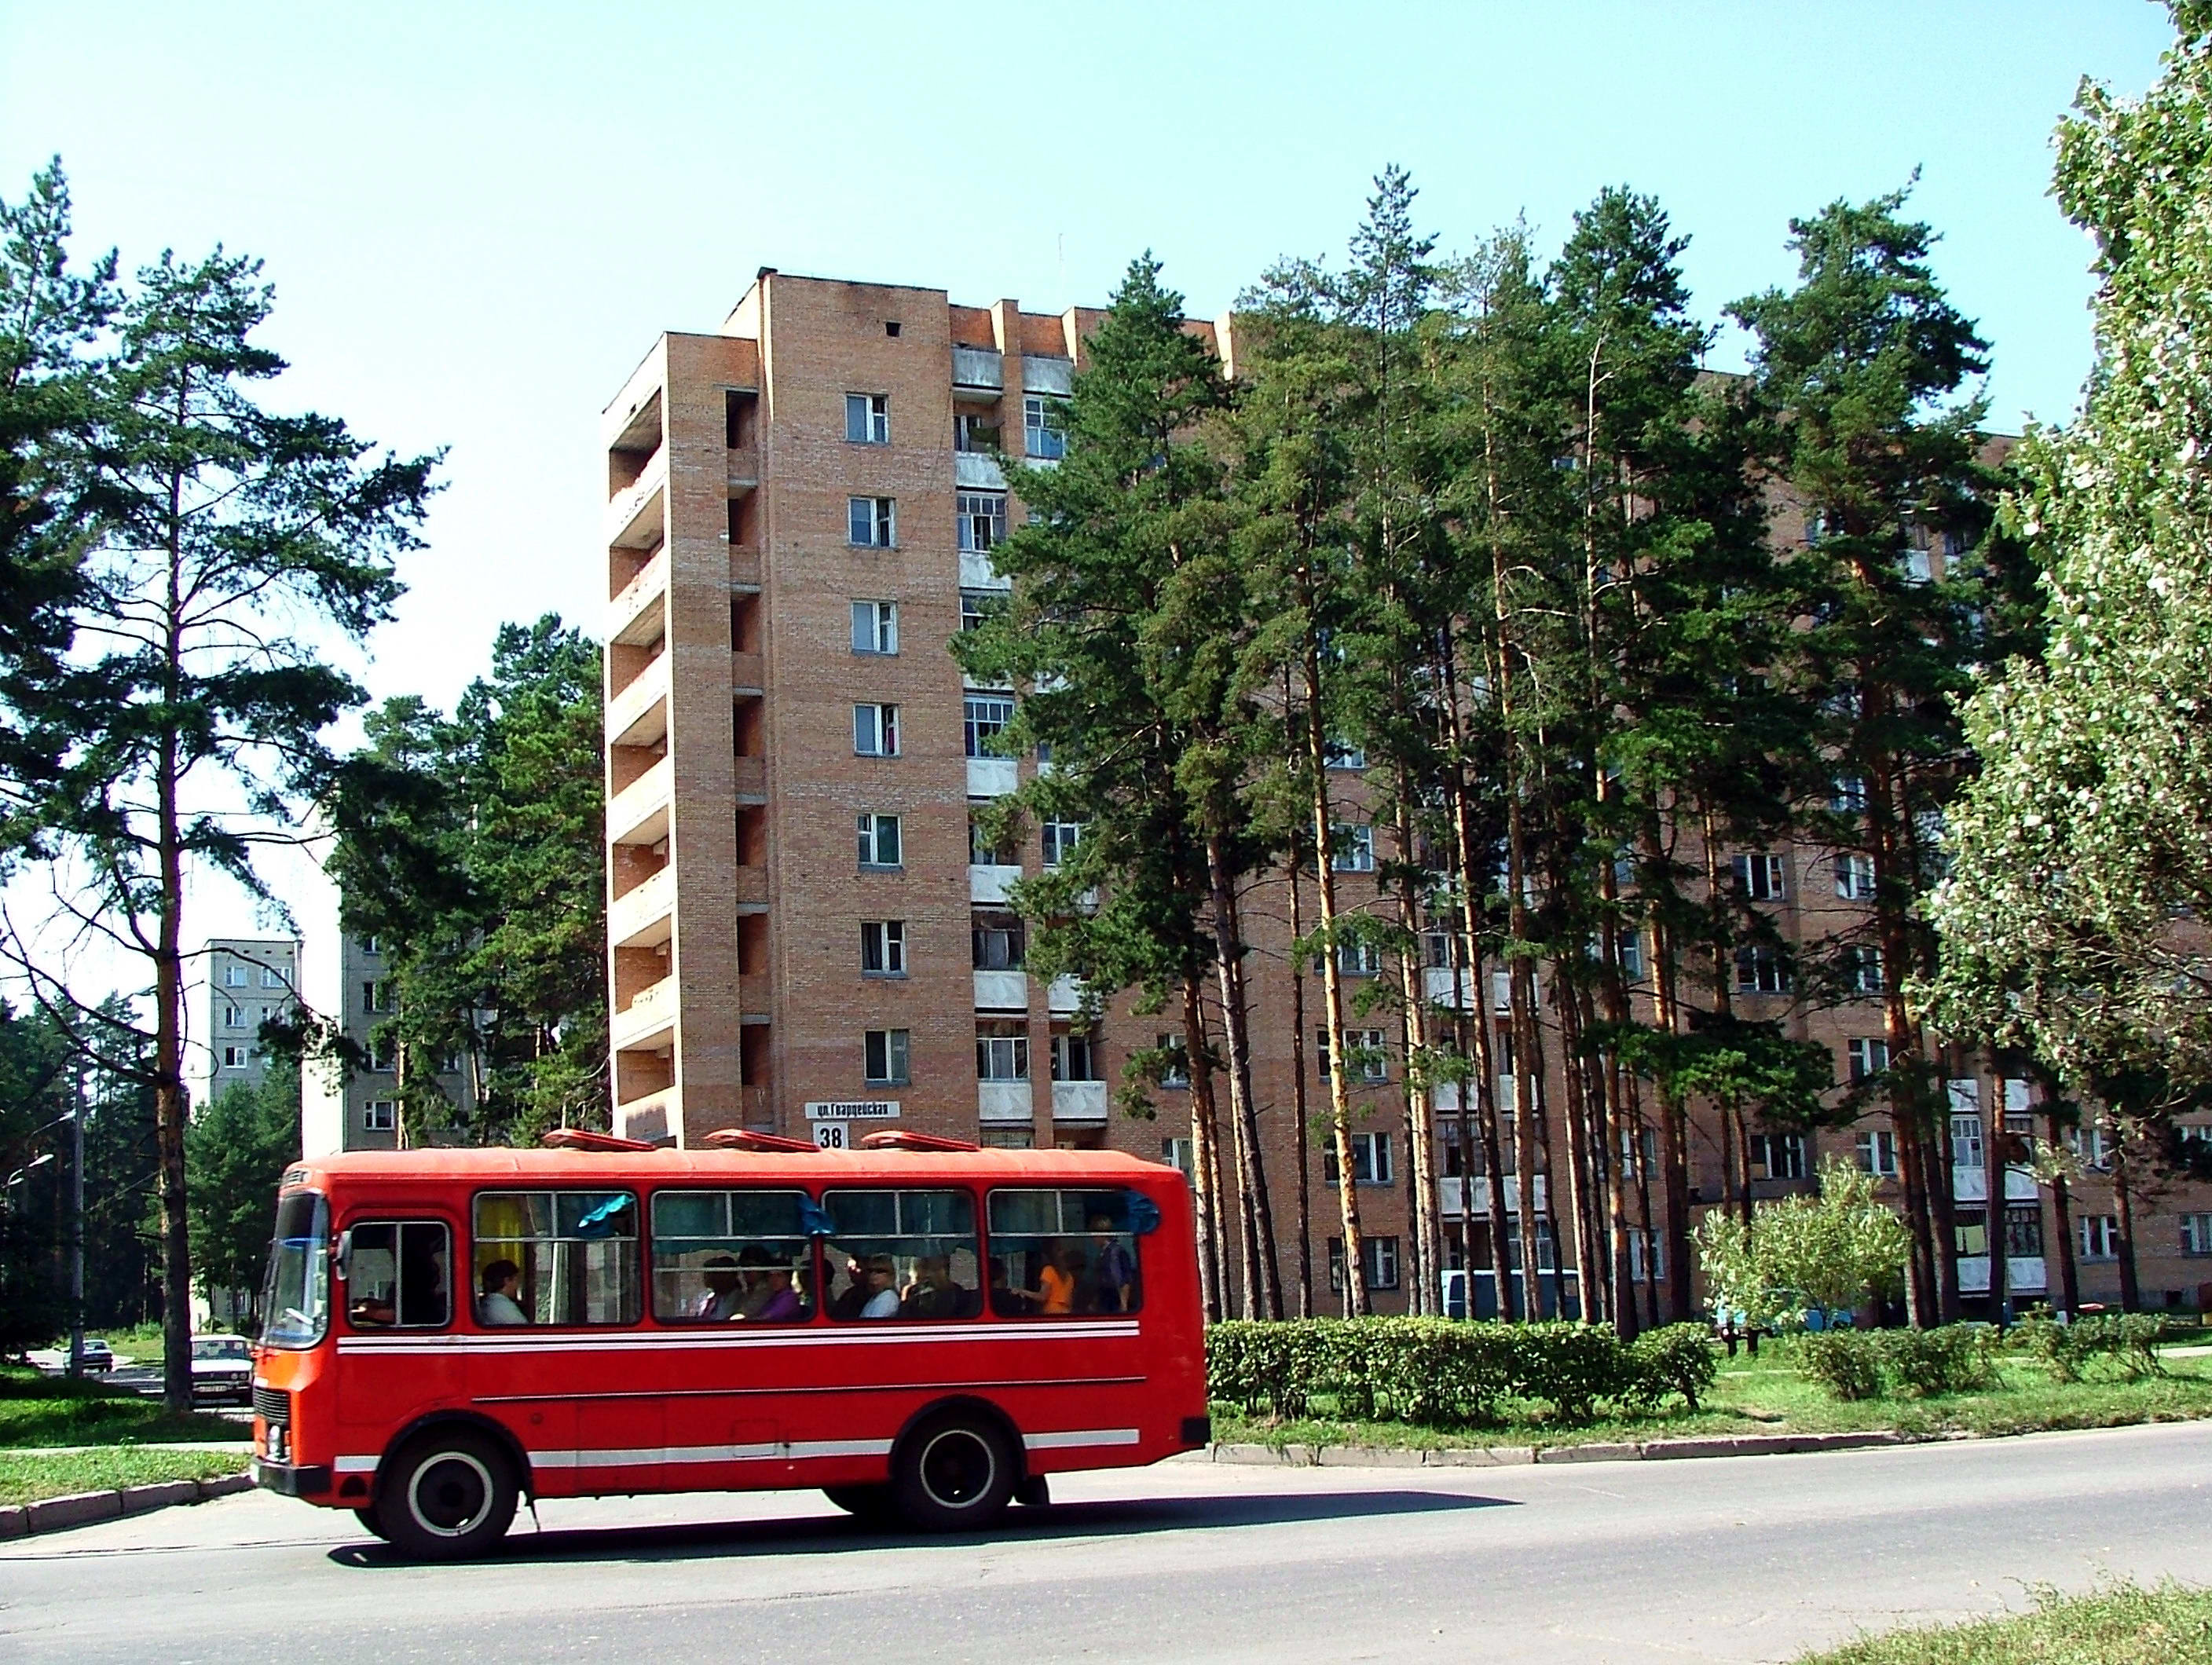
(99, 1357)
(222, 1368)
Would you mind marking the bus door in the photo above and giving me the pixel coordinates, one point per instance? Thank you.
(397, 1341)
(735, 1270)
(556, 1307)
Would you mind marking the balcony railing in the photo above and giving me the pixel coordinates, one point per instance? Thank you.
(978, 367)
(643, 915)
(638, 814)
(1002, 1102)
(1078, 1101)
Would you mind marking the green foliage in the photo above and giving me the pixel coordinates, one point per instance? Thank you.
(1798, 1254)
(2117, 1625)
(1439, 1373)
(236, 1150)
(1846, 1362)
(2088, 831)
(2126, 1342)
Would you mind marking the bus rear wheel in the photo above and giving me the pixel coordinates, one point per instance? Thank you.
(954, 1473)
(446, 1496)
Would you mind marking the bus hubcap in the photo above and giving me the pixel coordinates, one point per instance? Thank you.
(957, 1468)
(451, 1494)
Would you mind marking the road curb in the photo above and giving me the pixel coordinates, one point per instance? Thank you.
(1499, 1456)
(90, 1508)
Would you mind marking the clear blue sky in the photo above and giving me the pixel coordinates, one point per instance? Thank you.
(478, 216)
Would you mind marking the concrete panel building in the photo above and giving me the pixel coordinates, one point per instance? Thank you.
(807, 929)
(237, 984)
(347, 982)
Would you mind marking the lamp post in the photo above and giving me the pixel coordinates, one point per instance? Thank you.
(76, 1119)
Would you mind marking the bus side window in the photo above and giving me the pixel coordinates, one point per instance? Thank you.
(400, 1275)
(731, 1257)
(1061, 1253)
(902, 1254)
(555, 1257)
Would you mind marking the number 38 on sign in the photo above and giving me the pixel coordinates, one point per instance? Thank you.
(833, 1118)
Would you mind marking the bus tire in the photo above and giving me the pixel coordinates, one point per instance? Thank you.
(871, 1505)
(956, 1473)
(369, 1522)
(448, 1495)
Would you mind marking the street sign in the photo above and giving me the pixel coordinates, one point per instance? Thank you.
(852, 1109)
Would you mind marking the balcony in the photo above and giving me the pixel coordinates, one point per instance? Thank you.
(645, 1118)
(635, 514)
(993, 777)
(1048, 375)
(754, 993)
(977, 470)
(1064, 998)
(752, 886)
(638, 715)
(977, 571)
(2025, 1274)
(649, 1021)
(634, 616)
(1002, 991)
(988, 883)
(745, 570)
(638, 814)
(749, 777)
(742, 469)
(1001, 1102)
(1448, 1195)
(1079, 1101)
(644, 916)
(978, 367)
(745, 672)
(1972, 1185)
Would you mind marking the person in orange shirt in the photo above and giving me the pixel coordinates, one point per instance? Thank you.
(1056, 1290)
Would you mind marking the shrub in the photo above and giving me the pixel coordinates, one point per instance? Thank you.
(1847, 1363)
(1677, 1359)
(2129, 1340)
(1572, 1366)
(1955, 1358)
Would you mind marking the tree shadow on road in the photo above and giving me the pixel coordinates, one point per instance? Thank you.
(837, 1534)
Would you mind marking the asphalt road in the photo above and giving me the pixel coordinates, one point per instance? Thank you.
(1736, 1559)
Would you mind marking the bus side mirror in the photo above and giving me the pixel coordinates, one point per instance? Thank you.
(344, 1256)
(1144, 1213)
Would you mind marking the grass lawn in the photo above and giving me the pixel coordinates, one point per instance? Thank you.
(1767, 1395)
(45, 1410)
(27, 1480)
(2121, 1625)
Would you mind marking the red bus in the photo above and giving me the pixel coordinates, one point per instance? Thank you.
(924, 1330)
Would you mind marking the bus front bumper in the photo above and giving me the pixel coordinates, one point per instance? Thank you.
(305, 1479)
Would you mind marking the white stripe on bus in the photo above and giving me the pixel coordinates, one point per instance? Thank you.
(796, 1451)
(1080, 1437)
(654, 1341)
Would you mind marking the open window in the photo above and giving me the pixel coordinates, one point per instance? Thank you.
(398, 1275)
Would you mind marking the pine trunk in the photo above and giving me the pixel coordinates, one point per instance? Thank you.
(1263, 1292)
(1300, 1111)
(1339, 1099)
(1204, 1158)
(1420, 1124)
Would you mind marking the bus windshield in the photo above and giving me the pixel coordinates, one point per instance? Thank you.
(297, 1301)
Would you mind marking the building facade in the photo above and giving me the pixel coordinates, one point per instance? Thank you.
(243, 983)
(358, 1109)
(808, 930)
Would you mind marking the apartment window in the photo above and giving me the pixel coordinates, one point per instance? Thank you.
(1370, 1159)
(2092, 1147)
(2023, 1227)
(1966, 1141)
(1865, 1056)
(1915, 565)
(985, 851)
(2100, 1237)
(1647, 1256)
(1370, 1062)
(868, 418)
(875, 627)
(1002, 1051)
(234, 1017)
(1778, 1156)
(1877, 1152)
(883, 1057)
(883, 947)
(986, 716)
(1176, 1072)
(1379, 1258)
(1077, 1058)
(975, 430)
(1762, 878)
(1863, 972)
(376, 996)
(1042, 433)
(1352, 849)
(871, 522)
(379, 1116)
(233, 1058)
(999, 941)
(880, 841)
(272, 977)
(377, 1056)
(2197, 1233)
(1759, 971)
(1006, 1138)
(368, 946)
(1060, 838)
(981, 517)
(875, 730)
(977, 605)
(1338, 754)
(1359, 959)
(1177, 1153)
(1854, 877)
(234, 976)
(1847, 794)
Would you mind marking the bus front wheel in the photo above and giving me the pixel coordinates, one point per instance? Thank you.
(447, 1496)
(954, 1473)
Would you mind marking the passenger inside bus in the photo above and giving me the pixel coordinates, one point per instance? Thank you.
(932, 1294)
(1042, 1265)
(725, 1292)
(909, 1254)
(740, 1256)
(497, 1304)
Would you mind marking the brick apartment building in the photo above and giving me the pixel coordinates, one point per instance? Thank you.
(805, 930)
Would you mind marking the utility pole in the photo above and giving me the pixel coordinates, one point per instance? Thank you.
(76, 1227)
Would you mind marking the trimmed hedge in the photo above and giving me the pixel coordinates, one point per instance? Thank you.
(1445, 1373)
